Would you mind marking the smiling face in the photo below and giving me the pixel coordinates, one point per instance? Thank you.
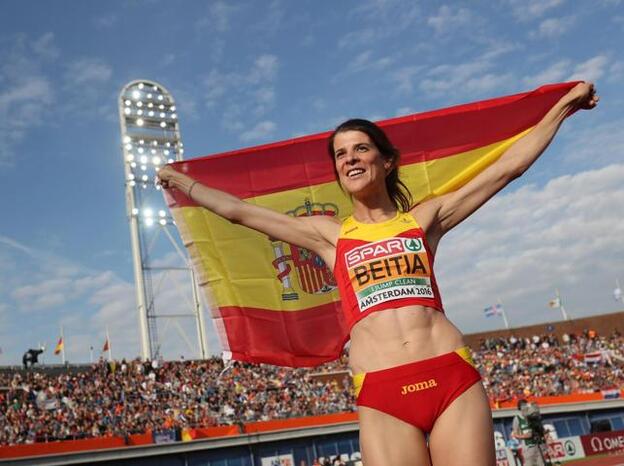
(359, 163)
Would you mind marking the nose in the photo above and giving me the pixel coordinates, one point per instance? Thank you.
(352, 157)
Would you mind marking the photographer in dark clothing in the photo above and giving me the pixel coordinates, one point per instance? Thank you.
(527, 427)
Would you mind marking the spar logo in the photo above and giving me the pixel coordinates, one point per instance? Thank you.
(384, 248)
(293, 263)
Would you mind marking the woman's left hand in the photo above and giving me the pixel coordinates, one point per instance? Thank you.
(584, 95)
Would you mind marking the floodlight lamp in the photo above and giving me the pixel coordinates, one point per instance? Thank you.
(127, 111)
(144, 167)
(149, 96)
(161, 106)
(172, 108)
(130, 157)
(135, 211)
(128, 103)
(149, 222)
(162, 221)
(150, 105)
(144, 178)
(139, 122)
(127, 139)
(140, 150)
(130, 176)
(170, 160)
(128, 146)
(166, 152)
(139, 104)
(141, 141)
(141, 85)
(162, 213)
(174, 116)
(155, 88)
(136, 95)
(162, 114)
(139, 112)
(160, 97)
(153, 151)
(154, 143)
(133, 183)
(151, 113)
(168, 144)
(133, 165)
(147, 212)
(156, 160)
(143, 158)
(163, 124)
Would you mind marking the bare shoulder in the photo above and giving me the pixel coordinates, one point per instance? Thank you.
(327, 227)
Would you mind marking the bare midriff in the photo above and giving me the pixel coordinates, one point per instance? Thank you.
(393, 337)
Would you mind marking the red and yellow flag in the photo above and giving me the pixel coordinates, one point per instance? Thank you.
(277, 303)
(59, 346)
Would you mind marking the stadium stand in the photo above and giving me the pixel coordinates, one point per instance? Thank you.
(123, 398)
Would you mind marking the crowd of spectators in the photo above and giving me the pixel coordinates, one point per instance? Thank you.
(544, 366)
(126, 397)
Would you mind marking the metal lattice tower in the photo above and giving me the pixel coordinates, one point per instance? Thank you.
(151, 138)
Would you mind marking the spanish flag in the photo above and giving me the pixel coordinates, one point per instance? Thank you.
(59, 346)
(277, 303)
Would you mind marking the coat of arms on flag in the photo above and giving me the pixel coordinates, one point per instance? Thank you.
(313, 275)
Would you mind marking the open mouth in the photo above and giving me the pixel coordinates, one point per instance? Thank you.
(355, 172)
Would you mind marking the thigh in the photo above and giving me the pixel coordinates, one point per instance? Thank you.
(386, 440)
(463, 434)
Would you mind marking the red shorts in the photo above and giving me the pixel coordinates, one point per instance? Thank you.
(419, 392)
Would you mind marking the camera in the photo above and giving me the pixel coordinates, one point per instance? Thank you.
(531, 413)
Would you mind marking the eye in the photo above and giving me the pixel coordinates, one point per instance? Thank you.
(361, 148)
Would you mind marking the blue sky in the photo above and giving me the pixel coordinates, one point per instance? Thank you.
(244, 73)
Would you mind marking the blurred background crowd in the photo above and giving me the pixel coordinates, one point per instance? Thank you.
(127, 397)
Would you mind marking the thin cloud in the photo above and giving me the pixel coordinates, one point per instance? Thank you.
(590, 70)
(531, 241)
(262, 130)
(448, 19)
(553, 27)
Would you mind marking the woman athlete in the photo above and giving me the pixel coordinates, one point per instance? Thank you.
(413, 374)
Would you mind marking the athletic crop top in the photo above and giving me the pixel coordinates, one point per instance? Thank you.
(383, 266)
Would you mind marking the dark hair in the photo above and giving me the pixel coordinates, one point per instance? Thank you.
(521, 403)
(399, 193)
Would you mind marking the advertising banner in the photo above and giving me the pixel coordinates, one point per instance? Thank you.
(567, 448)
(603, 442)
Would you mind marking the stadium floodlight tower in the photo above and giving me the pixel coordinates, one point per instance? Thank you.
(151, 138)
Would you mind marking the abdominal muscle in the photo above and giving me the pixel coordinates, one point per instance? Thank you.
(393, 337)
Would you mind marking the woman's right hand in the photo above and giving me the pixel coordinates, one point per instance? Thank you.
(165, 176)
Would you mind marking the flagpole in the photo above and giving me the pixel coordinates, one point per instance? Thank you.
(62, 346)
(504, 314)
(618, 289)
(563, 311)
(91, 354)
(110, 347)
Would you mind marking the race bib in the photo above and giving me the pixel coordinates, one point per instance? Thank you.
(390, 269)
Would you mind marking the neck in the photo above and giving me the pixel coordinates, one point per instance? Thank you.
(374, 208)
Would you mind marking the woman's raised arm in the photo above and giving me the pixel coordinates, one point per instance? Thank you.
(317, 233)
(443, 213)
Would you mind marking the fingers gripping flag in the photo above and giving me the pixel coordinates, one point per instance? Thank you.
(277, 303)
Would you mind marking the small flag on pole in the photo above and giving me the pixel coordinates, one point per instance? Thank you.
(496, 310)
(555, 303)
(59, 346)
(106, 346)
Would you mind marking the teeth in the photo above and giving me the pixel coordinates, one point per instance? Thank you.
(355, 171)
